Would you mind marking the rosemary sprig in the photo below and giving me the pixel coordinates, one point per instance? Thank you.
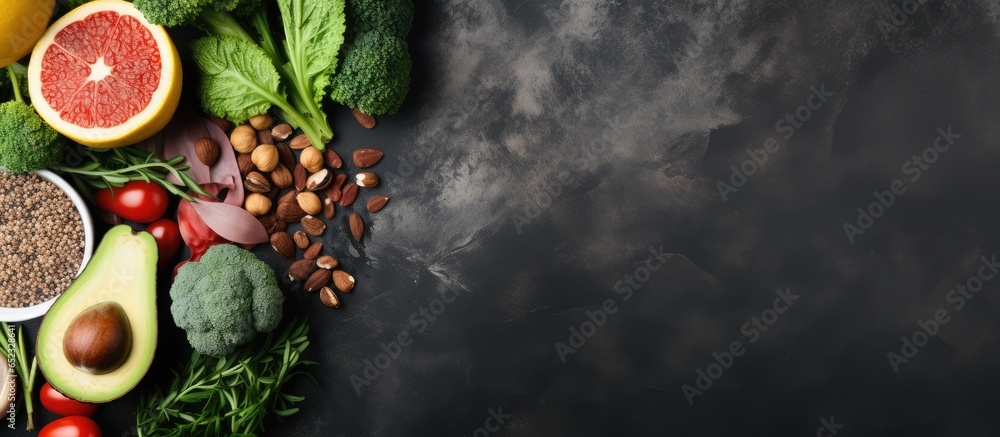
(24, 372)
(113, 168)
(230, 395)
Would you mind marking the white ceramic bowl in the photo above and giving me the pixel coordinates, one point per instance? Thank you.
(28, 313)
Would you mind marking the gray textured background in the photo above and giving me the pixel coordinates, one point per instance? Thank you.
(632, 111)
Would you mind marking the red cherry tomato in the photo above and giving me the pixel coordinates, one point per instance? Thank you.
(72, 426)
(59, 404)
(168, 240)
(139, 201)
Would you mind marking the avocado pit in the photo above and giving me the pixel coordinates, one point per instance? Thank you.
(99, 339)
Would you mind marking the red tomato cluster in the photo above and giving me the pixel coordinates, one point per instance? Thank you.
(145, 202)
(75, 424)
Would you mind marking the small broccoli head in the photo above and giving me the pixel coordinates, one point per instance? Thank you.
(394, 17)
(225, 299)
(171, 13)
(243, 8)
(27, 143)
(375, 74)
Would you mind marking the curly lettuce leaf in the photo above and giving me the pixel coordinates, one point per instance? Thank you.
(238, 80)
(314, 32)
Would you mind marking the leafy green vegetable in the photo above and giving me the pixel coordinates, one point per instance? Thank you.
(238, 81)
(375, 75)
(223, 300)
(113, 168)
(27, 143)
(22, 369)
(314, 32)
(394, 17)
(230, 395)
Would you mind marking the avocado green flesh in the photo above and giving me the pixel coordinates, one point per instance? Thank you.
(123, 270)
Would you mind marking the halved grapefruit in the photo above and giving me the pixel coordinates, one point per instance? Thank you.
(105, 77)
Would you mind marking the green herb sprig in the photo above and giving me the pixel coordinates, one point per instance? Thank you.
(25, 372)
(230, 395)
(113, 168)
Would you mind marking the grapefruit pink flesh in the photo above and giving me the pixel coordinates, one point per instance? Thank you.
(101, 71)
(105, 77)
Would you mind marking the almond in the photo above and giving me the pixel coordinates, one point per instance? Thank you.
(290, 212)
(333, 191)
(264, 137)
(281, 177)
(329, 298)
(320, 180)
(313, 251)
(357, 226)
(245, 163)
(300, 142)
(348, 194)
(364, 158)
(207, 150)
(256, 183)
(317, 280)
(368, 121)
(288, 197)
(366, 179)
(329, 209)
(300, 176)
(271, 224)
(327, 262)
(301, 240)
(377, 203)
(282, 243)
(343, 281)
(301, 269)
(332, 159)
(313, 226)
(222, 123)
(282, 131)
(286, 155)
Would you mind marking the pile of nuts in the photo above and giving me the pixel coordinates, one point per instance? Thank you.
(283, 190)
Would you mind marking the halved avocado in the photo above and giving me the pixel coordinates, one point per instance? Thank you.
(122, 272)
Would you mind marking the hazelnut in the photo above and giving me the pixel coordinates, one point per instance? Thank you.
(257, 204)
(261, 122)
(265, 157)
(281, 177)
(312, 159)
(309, 202)
(244, 138)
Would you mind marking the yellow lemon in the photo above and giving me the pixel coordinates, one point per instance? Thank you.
(21, 24)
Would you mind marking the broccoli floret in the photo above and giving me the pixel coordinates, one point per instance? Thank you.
(375, 75)
(225, 299)
(27, 143)
(171, 13)
(394, 17)
(243, 8)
